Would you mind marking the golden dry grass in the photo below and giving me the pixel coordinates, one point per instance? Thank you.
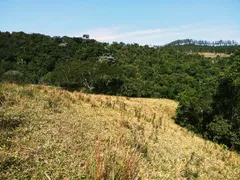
(214, 55)
(64, 135)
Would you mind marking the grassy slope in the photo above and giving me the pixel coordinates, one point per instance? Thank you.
(50, 133)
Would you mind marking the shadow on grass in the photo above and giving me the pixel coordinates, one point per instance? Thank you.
(7, 127)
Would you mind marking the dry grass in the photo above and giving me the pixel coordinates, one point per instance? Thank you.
(50, 133)
(214, 55)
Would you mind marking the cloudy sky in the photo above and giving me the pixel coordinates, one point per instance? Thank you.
(152, 22)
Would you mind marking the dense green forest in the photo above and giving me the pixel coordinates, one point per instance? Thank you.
(207, 89)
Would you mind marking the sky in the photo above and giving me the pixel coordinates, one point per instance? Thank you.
(151, 22)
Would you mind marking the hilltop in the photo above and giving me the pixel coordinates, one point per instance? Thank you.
(50, 133)
(208, 49)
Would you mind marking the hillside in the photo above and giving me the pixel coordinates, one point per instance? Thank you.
(50, 133)
(114, 69)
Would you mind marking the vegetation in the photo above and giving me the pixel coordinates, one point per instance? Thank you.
(214, 112)
(56, 134)
(117, 69)
(207, 89)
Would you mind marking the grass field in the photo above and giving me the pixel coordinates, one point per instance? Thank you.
(49, 133)
(213, 55)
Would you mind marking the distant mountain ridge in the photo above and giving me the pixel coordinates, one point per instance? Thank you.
(203, 42)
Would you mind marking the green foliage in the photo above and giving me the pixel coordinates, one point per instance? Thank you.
(227, 103)
(219, 129)
(118, 68)
(13, 77)
(214, 109)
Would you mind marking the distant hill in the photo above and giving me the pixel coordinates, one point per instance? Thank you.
(221, 46)
(50, 133)
(203, 42)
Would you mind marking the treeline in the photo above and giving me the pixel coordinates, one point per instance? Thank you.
(130, 70)
(190, 45)
(203, 42)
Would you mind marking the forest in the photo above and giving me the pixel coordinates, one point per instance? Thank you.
(207, 89)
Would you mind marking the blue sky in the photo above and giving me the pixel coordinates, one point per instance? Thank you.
(153, 22)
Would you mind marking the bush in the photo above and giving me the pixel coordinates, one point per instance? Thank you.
(13, 77)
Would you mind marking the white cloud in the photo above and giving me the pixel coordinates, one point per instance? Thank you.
(160, 36)
(112, 35)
